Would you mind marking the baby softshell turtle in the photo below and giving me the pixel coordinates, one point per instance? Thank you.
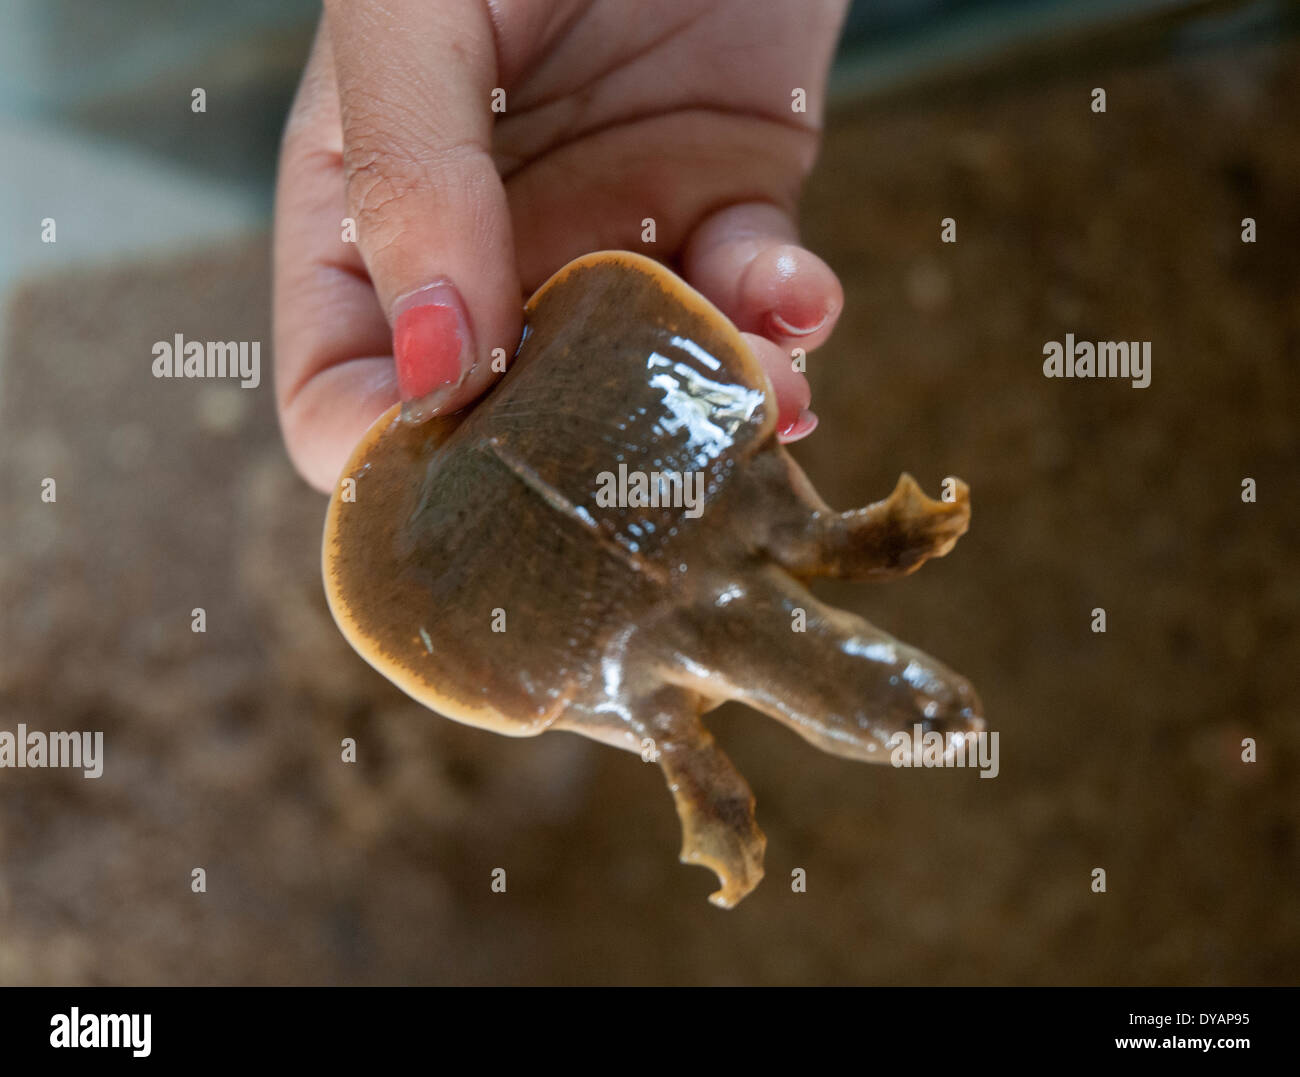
(612, 542)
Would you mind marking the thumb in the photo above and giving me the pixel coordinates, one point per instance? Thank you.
(433, 226)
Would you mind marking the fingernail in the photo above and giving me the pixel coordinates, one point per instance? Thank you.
(799, 325)
(802, 425)
(433, 347)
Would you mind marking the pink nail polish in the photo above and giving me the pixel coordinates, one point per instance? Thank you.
(802, 425)
(432, 346)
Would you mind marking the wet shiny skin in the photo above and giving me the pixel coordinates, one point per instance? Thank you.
(479, 570)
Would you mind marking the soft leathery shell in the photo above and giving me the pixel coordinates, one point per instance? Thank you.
(621, 363)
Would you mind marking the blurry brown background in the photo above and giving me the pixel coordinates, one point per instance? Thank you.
(1119, 751)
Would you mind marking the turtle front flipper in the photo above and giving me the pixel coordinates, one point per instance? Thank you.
(889, 538)
(716, 809)
(892, 537)
(714, 802)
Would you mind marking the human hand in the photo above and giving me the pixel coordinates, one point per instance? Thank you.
(616, 111)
